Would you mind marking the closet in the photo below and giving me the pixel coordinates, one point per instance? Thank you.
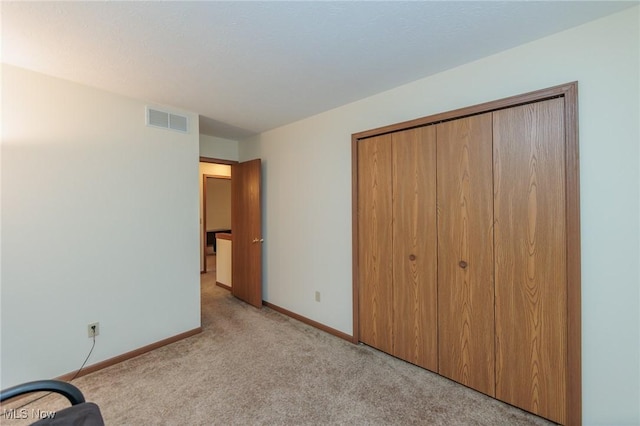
(399, 245)
(466, 248)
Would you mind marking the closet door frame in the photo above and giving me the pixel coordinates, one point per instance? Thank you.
(569, 92)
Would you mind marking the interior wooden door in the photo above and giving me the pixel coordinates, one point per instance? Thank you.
(414, 247)
(375, 254)
(530, 258)
(246, 266)
(465, 252)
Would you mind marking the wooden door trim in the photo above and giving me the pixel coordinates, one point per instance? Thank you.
(217, 161)
(355, 269)
(217, 176)
(569, 92)
(562, 90)
(574, 298)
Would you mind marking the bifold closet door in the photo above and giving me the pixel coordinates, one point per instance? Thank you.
(415, 333)
(465, 252)
(530, 258)
(397, 245)
(375, 250)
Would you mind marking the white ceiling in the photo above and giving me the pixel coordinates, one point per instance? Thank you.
(247, 67)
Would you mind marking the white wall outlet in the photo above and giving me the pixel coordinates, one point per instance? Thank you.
(93, 329)
(317, 296)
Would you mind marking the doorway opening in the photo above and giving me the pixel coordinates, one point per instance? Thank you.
(215, 205)
(246, 225)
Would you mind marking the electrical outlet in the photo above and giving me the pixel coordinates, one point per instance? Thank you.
(317, 296)
(93, 329)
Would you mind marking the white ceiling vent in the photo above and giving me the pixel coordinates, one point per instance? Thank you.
(167, 120)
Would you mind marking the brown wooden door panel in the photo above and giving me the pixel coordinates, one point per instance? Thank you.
(415, 247)
(246, 266)
(534, 252)
(465, 252)
(530, 258)
(375, 242)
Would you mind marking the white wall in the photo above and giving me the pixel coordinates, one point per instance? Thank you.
(218, 204)
(307, 192)
(99, 223)
(220, 148)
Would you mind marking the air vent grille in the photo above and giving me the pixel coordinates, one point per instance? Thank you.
(166, 120)
(157, 118)
(178, 122)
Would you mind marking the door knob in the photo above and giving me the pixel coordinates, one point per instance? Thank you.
(256, 240)
(463, 264)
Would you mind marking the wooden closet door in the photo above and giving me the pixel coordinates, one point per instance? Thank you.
(530, 258)
(375, 254)
(415, 247)
(465, 252)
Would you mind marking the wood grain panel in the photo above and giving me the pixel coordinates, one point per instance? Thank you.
(415, 247)
(375, 254)
(465, 234)
(516, 297)
(530, 258)
(246, 224)
(538, 95)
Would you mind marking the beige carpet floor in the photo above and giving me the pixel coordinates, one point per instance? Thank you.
(257, 367)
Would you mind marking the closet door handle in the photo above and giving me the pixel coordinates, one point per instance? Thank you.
(463, 264)
(412, 257)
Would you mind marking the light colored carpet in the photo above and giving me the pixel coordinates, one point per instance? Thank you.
(257, 367)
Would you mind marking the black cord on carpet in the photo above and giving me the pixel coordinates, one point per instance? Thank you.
(4, 412)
